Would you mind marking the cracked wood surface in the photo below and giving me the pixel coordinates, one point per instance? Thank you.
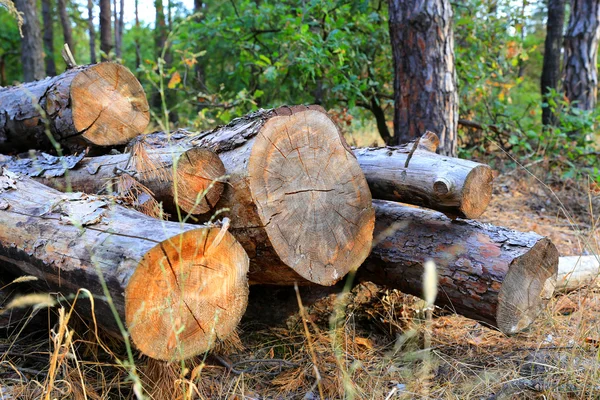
(456, 187)
(492, 274)
(297, 199)
(92, 105)
(192, 178)
(178, 287)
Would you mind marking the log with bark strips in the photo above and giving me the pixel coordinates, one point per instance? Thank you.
(415, 174)
(297, 199)
(91, 105)
(195, 187)
(178, 287)
(488, 273)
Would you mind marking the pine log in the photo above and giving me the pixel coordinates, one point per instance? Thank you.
(193, 179)
(574, 272)
(415, 174)
(488, 273)
(101, 105)
(178, 287)
(298, 201)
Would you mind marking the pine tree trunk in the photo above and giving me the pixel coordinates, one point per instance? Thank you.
(425, 93)
(552, 54)
(121, 26)
(581, 54)
(138, 53)
(48, 37)
(106, 44)
(193, 179)
(92, 31)
(32, 51)
(178, 287)
(488, 273)
(297, 199)
(66, 25)
(101, 105)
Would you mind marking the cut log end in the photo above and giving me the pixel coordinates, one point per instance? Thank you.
(108, 104)
(200, 175)
(527, 287)
(311, 196)
(187, 293)
(477, 192)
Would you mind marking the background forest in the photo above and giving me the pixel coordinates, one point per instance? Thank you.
(208, 63)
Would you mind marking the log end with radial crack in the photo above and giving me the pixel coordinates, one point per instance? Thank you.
(187, 293)
(310, 194)
(109, 105)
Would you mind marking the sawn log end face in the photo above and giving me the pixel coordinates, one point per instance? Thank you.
(109, 105)
(311, 195)
(527, 287)
(187, 293)
(477, 192)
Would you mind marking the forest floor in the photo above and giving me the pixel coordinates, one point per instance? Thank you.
(369, 344)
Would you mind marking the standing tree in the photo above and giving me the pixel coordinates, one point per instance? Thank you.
(138, 51)
(92, 30)
(425, 93)
(552, 50)
(48, 37)
(121, 27)
(118, 23)
(66, 24)
(105, 29)
(581, 53)
(32, 53)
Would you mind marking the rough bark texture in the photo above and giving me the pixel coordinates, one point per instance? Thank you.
(581, 53)
(297, 199)
(106, 44)
(92, 31)
(48, 37)
(424, 76)
(100, 104)
(66, 25)
(488, 273)
(32, 52)
(192, 179)
(169, 282)
(552, 51)
(459, 188)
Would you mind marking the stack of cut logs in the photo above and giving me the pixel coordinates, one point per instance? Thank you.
(275, 197)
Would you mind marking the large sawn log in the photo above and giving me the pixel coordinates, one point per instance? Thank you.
(297, 199)
(415, 174)
(178, 287)
(488, 273)
(193, 179)
(101, 105)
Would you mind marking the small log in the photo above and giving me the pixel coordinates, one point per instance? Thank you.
(415, 174)
(101, 105)
(193, 179)
(488, 273)
(574, 272)
(297, 199)
(178, 287)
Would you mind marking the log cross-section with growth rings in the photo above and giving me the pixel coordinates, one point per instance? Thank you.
(297, 199)
(92, 105)
(179, 288)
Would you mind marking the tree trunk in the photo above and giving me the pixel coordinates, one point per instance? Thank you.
(121, 26)
(200, 67)
(48, 37)
(297, 199)
(102, 105)
(32, 53)
(424, 76)
(458, 188)
(92, 31)
(581, 54)
(138, 53)
(196, 186)
(105, 30)
(488, 273)
(552, 50)
(160, 39)
(66, 25)
(169, 282)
